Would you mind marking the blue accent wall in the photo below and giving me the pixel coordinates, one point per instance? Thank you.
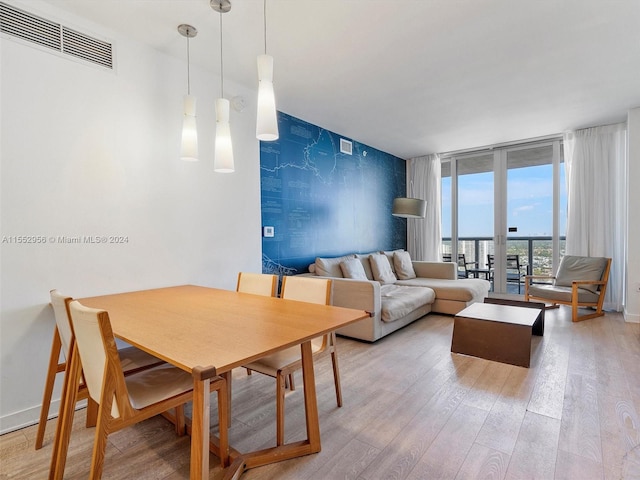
(324, 203)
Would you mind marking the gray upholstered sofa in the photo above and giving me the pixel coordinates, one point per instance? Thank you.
(394, 299)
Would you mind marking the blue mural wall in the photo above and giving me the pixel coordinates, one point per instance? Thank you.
(324, 203)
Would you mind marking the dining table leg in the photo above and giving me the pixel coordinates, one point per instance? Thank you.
(200, 428)
(310, 400)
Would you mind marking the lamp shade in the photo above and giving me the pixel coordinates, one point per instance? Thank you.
(409, 207)
(189, 148)
(267, 122)
(223, 159)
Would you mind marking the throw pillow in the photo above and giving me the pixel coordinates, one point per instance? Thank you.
(381, 269)
(353, 268)
(330, 267)
(404, 267)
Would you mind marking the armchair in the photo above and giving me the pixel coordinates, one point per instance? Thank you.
(579, 282)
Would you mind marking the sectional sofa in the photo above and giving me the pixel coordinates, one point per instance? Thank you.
(395, 290)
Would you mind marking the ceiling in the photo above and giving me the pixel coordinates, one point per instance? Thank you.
(412, 77)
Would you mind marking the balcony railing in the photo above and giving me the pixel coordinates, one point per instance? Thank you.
(535, 252)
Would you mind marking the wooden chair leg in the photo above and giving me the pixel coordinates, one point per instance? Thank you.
(92, 413)
(292, 385)
(181, 424)
(280, 409)
(52, 371)
(336, 370)
(248, 371)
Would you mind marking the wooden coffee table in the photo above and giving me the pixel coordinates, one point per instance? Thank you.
(496, 332)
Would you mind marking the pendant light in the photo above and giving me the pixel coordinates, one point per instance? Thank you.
(267, 122)
(223, 157)
(189, 146)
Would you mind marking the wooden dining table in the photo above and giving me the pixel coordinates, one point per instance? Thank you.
(208, 332)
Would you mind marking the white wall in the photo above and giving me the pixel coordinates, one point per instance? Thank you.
(632, 307)
(86, 151)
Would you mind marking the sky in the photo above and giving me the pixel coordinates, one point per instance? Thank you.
(529, 203)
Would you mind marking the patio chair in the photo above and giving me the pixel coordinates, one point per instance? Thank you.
(463, 265)
(579, 282)
(515, 271)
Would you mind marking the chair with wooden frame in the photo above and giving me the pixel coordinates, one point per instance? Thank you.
(131, 358)
(123, 401)
(282, 364)
(257, 283)
(579, 282)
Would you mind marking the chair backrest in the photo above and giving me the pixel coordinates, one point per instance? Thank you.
(513, 262)
(96, 344)
(512, 265)
(257, 283)
(305, 289)
(60, 305)
(575, 268)
(462, 262)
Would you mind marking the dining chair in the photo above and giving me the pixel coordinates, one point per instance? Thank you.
(132, 360)
(257, 283)
(124, 401)
(284, 363)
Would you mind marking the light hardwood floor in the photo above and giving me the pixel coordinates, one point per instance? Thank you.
(413, 410)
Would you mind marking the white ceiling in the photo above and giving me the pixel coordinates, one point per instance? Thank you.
(412, 77)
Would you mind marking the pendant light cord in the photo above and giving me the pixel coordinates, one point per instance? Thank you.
(265, 25)
(221, 62)
(188, 70)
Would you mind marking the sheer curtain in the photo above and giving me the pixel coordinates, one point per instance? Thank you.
(596, 166)
(424, 235)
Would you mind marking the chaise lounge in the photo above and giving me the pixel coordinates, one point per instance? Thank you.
(395, 290)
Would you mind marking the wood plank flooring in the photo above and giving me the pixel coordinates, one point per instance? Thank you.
(413, 410)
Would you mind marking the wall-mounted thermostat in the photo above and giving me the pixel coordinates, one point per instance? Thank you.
(268, 231)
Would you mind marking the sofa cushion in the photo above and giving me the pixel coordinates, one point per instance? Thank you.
(381, 269)
(574, 269)
(404, 267)
(330, 267)
(462, 290)
(561, 293)
(364, 258)
(352, 268)
(389, 254)
(398, 301)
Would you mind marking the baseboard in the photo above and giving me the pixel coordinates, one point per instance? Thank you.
(30, 416)
(631, 317)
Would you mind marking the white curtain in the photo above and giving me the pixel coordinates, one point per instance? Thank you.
(424, 235)
(596, 165)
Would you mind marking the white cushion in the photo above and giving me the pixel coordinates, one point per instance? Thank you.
(381, 269)
(399, 301)
(573, 269)
(389, 254)
(404, 267)
(330, 267)
(353, 268)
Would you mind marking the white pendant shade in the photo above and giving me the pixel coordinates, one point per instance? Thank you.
(409, 207)
(189, 149)
(267, 123)
(223, 160)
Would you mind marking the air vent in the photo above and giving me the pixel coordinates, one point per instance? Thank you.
(46, 33)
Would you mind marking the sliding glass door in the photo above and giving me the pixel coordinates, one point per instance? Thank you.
(504, 212)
